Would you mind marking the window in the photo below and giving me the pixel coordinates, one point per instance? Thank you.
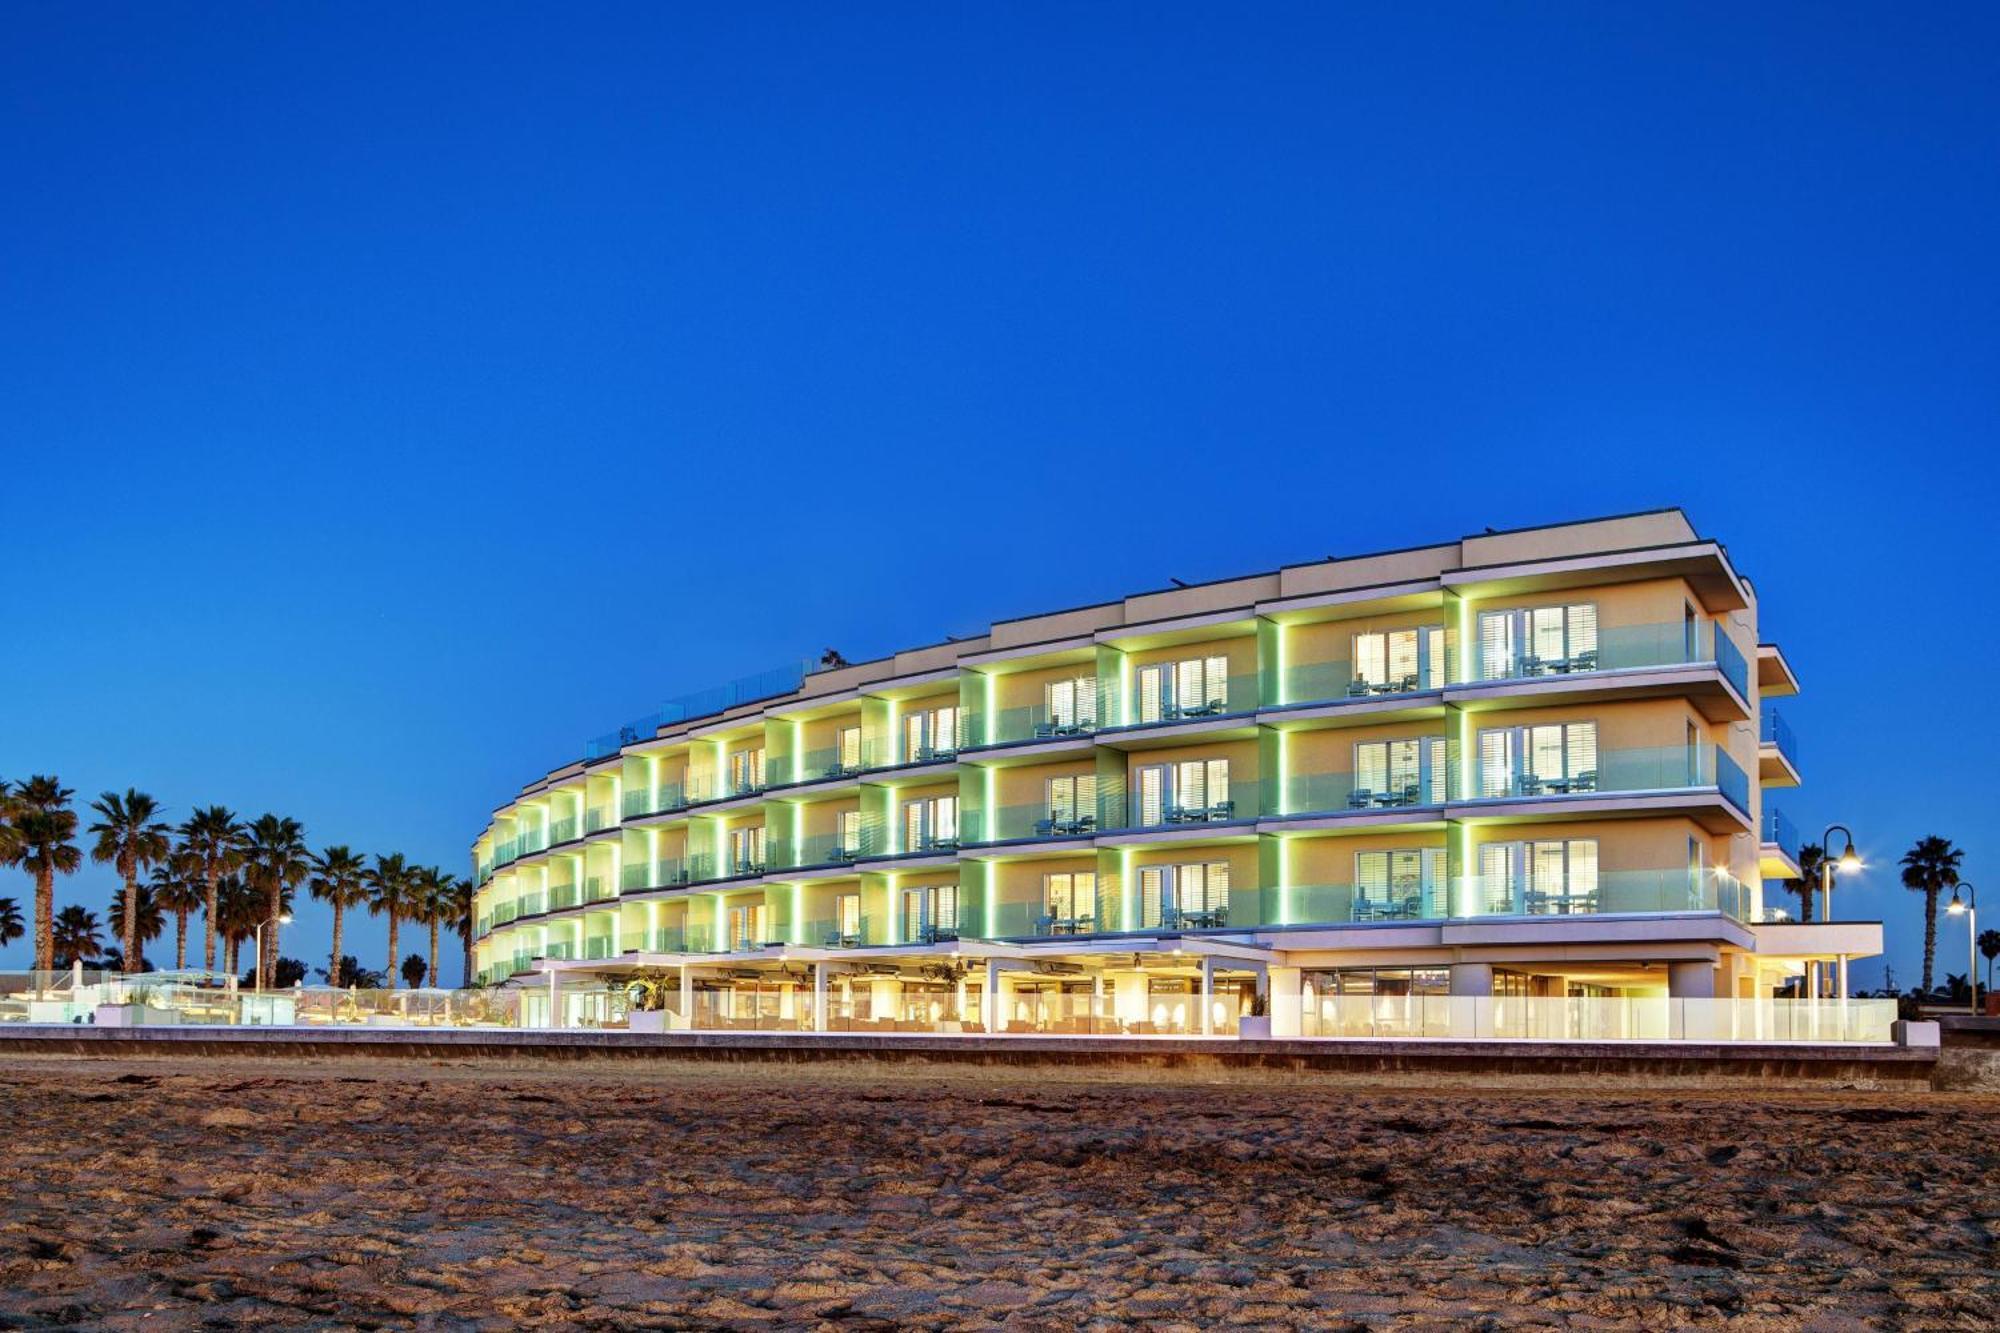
(1554, 759)
(847, 834)
(1397, 885)
(1546, 878)
(847, 749)
(1194, 687)
(1192, 791)
(1072, 802)
(930, 823)
(1538, 641)
(1070, 900)
(1402, 772)
(1184, 895)
(749, 927)
(930, 911)
(1399, 660)
(930, 734)
(746, 771)
(847, 916)
(746, 850)
(1072, 704)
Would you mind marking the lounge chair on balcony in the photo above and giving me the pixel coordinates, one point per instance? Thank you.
(1584, 781)
(1045, 731)
(1221, 810)
(1045, 924)
(1360, 799)
(1359, 688)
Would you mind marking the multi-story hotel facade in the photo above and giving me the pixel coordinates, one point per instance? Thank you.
(1521, 773)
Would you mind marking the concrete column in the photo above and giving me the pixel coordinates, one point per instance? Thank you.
(1841, 973)
(819, 997)
(1472, 979)
(1685, 981)
(1282, 989)
(555, 1001)
(1207, 995)
(687, 998)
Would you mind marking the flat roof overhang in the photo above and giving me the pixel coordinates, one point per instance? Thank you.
(1702, 564)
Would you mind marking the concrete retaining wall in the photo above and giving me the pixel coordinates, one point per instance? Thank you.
(1413, 1063)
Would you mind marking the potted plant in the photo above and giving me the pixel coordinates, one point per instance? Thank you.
(1257, 1023)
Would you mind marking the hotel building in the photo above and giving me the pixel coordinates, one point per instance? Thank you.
(1518, 778)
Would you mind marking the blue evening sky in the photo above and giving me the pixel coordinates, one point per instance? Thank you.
(392, 397)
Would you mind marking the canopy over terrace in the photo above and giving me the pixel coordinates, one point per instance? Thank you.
(1152, 984)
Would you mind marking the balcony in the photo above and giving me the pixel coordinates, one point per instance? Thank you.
(1237, 696)
(1606, 893)
(825, 765)
(1026, 823)
(1777, 751)
(1779, 844)
(677, 939)
(562, 830)
(1349, 904)
(1635, 771)
(665, 873)
(817, 850)
(1310, 684)
(1394, 792)
(598, 817)
(854, 932)
(506, 853)
(666, 798)
(1023, 726)
(598, 888)
(1032, 920)
(1597, 662)
(563, 895)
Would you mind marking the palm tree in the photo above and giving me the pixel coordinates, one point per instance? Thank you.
(10, 841)
(1930, 867)
(212, 841)
(130, 837)
(175, 889)
(1812, 857)
(461, 905)
(13, 928)
(339, 877)
(389, 888)
(439, 908)
(1989, 946)
(41, 843)
(275, 862)
(239, 912)
(150, 924)
(74, 937)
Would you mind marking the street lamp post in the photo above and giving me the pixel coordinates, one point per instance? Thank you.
(271, 924)
(1968, 906)
(1849, 862)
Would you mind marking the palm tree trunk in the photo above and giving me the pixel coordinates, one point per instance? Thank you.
(128, 932)
(465, 977)
(209, 877)
(1930, 935)
(393, 923)
(434, 952)
(45, 918)
(267, 958)
(333, 969)
(180, 941)
(229, 956)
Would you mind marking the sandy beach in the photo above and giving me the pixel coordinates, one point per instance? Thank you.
(391, 1195)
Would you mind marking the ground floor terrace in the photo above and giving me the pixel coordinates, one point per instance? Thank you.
(1699, 977)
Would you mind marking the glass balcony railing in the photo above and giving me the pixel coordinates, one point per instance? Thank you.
(560, 949)
(599, 888)
(598, 817)
(1025, 823)
(1016, 726)
(527, 844)
(1029, 920)
(562, 830)
(1238, 694)
(563, 895)
(599, 946)
(1336, 682)
(1779, 830)
(1345, 793)
(531, 904)
(677, 939)
(1622, 648)
(1610, 892)
(1774, 730)
(1349, 904)
(825, 764)
(1623, 770)
(832, 933)
(706, 867)
(665, 873)
(819, 849)
(1244, 801)
(505, 853)
(663, 799)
